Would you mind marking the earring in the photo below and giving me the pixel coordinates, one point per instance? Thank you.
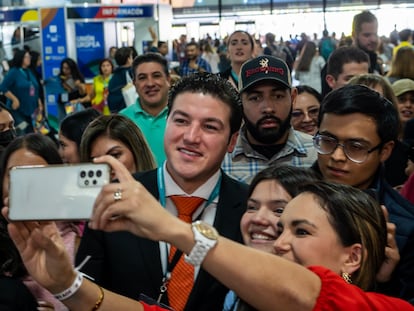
(347, 277)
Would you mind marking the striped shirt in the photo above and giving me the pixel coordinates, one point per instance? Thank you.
(245, 162)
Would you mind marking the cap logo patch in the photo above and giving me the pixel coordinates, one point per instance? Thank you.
(264, 68)
(264, 63)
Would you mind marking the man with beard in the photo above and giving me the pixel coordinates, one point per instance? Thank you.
(266, 138)
(365, 36)
(194, 63)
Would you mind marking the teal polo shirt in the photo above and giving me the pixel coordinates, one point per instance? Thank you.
(153, 128)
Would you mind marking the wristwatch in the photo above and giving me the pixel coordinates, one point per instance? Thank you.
(206, 237)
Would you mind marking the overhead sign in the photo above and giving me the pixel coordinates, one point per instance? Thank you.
(110, 12)
(19, 15)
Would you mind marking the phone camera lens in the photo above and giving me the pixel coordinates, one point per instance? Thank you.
(82, 174)
(86, 182)
(90, 174)
(94, 182)
(98, 173)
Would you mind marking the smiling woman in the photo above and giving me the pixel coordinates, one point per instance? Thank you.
(269, 193)
(118, 136)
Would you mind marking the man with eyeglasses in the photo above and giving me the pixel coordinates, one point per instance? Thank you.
(266, 138)
(357, 132)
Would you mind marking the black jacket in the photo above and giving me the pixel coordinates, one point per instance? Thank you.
(129, 265)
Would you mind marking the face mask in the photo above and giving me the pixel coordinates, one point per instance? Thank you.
(6, 137)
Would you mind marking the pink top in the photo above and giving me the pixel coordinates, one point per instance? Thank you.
(69, 231)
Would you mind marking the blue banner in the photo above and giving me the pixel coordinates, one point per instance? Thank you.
(18, 15)
(54, 51)
(90, 47)
(111, 12)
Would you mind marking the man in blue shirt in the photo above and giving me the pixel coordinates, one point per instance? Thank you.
(194, 63)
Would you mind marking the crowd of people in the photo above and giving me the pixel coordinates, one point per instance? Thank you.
(265, 178)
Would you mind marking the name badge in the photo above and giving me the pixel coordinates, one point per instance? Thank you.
(32, 90)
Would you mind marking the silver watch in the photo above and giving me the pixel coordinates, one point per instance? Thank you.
(206, 237)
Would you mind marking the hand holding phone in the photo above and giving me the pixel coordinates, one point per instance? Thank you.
(55, 192)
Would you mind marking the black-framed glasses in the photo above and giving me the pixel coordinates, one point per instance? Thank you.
(355, 150)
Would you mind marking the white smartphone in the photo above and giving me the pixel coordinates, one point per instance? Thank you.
(55, 192)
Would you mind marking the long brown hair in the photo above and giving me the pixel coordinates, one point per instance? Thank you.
(309, 52)
(402, 65)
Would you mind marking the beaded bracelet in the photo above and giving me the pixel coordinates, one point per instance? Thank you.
(72, 289)
(100, 299)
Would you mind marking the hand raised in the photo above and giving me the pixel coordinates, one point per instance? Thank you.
(127, 205)
(43, 253)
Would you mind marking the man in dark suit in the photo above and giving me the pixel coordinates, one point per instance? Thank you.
(202, 125)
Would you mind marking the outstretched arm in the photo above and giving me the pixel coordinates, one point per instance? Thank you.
(154, 37)
(288, 286)
(47, 261)
(265, 281)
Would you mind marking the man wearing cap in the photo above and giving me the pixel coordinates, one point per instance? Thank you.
(266, 137)
(404, 90)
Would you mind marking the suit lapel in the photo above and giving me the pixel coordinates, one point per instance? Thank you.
(230, 208)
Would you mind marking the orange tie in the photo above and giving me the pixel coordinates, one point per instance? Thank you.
(182, 276)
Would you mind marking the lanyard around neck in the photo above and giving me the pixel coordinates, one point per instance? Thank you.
(235, 77)
(162, 193)
(162, 197)
(26, 73)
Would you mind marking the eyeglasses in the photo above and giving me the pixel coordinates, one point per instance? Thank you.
(355, 150)
(312, 113)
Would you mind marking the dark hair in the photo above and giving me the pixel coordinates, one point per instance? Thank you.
(361, 18)
(122, 55)
(123, 129)
(405, 34)
(10, 260)
(362, 99)
(74, 124)
(357, 218)
(193, 43)
(74, 69)
(344, 55)
(103, 61)
(160, 43)
(270, 37)
(34, 58)
(215, 86)
(41, 145)
(18, 58)
(306, 59)
(308, 89)
(289, 177)
(247, 34)
(151, 58)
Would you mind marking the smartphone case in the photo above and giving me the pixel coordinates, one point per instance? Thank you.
(55, 192)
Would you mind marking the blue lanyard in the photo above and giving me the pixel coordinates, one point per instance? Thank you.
(235, 77)
(161, 188)
(26, 74)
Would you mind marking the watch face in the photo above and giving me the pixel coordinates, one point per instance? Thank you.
(208, 231)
